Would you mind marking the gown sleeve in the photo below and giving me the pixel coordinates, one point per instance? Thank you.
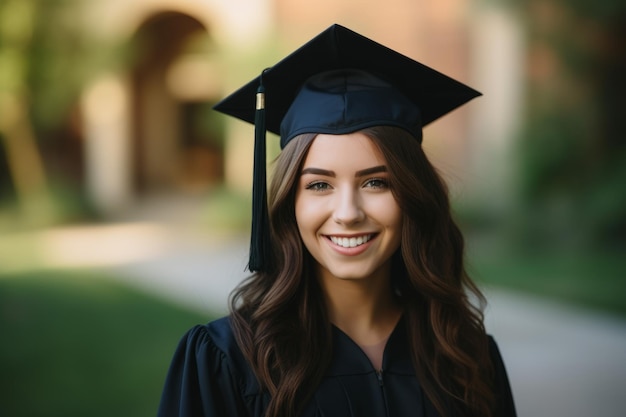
(200, 382)
(505, 407)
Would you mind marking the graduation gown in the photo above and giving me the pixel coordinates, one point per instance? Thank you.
(209, 377)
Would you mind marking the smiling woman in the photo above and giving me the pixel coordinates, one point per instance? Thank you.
(358, 304)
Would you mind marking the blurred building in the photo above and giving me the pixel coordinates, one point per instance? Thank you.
(149, 128)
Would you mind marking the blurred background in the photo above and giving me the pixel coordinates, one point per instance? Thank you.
(124, 200)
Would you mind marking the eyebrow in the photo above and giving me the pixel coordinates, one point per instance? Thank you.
(328, 173)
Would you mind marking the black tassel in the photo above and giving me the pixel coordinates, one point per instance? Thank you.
(260, 238)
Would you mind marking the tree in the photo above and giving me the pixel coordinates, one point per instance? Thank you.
(47, 57)
(17, 20)
(572, 147)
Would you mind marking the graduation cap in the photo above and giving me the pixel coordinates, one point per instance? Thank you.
(337, 83)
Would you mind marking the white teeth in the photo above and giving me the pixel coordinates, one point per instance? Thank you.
(351, 242)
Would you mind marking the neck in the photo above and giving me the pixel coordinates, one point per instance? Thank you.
(364, 309)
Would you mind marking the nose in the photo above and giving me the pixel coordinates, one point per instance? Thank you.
(348, 207)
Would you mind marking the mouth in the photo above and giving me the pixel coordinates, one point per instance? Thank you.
(351, 242)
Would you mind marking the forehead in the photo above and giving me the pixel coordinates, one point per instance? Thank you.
(349, 150)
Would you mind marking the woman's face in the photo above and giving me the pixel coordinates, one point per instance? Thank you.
(346, 214)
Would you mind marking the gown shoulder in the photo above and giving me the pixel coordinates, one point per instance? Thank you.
(209, 377)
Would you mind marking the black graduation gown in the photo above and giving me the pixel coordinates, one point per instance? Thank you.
(209, 377)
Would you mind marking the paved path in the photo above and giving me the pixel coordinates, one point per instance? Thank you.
(562, 362)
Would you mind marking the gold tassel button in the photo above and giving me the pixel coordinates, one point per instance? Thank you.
(260, 101)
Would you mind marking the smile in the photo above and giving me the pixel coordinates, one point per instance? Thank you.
(350, 242)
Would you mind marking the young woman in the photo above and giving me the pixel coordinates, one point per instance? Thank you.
(359, 303)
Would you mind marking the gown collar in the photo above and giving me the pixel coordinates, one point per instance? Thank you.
(349, 358)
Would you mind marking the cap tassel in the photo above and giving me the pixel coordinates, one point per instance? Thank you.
(260, 240)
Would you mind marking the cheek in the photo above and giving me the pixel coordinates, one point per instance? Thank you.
(392, 219)
(389, 213)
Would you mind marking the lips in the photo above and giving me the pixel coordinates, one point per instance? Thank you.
(350, 241)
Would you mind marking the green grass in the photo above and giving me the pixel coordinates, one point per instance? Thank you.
(595, 279)
(78, 345)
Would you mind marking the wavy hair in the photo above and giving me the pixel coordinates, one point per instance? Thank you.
(279, 318)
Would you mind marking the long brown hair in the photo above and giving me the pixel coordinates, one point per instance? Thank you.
(279, 317)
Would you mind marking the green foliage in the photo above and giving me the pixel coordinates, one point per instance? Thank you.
(593, 279)
(552, 148)
(47, 54)
(63, 56)
(67, 204)
(78, 345)
(571, 149)
(602, 10)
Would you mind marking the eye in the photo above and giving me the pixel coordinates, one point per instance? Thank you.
(377, 183)
(317, 186)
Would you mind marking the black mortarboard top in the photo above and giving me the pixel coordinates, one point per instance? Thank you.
(339, 82)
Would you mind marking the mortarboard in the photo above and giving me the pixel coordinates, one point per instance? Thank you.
(339, 82)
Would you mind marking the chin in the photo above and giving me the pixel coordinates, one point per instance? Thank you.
(350, 273)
